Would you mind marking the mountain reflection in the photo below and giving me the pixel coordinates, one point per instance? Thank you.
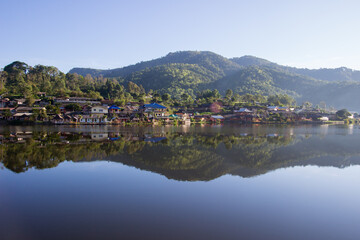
(183, 154)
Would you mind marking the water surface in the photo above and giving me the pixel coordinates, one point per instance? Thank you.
(198, 182)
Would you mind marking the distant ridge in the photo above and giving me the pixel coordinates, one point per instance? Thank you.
(213, 61)
(191, 71)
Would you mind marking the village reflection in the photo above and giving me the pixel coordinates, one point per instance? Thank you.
(183, 153)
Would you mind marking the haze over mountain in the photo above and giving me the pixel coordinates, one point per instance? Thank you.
(190, 71)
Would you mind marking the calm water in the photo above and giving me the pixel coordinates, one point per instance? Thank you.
(221, 182)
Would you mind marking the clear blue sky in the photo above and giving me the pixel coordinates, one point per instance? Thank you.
(109, 33)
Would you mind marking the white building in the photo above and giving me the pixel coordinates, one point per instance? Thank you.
(99, 110)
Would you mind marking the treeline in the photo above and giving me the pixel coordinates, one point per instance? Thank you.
(21, 80)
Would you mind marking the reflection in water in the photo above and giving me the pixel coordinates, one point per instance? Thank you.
(81, 196)
(183, 153)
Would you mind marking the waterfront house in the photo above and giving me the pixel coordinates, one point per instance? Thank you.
(94, 119)
(128, 110)
(154, 110)
(323, 119)
(200, 118)
(22, 116)
(58, 119)
(216, 118)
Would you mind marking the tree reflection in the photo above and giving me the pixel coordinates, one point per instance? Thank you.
(183, 156)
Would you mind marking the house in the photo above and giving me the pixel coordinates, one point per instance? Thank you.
(114, 109)
(283, 109)
(4, 102)
(29, 109)
(80, 100)
(200, 118)
(99, 110)
(41, 94)
(19, 101)
(94, 119)
(128, 110)
(154, 110)
(243, 111)
(58, 119)
(216, 118)
(22, 116)
(324, 119)
(272, 108)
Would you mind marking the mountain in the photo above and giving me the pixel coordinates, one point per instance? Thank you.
(191, 71)
(208, 60)
(175, 78)
(326, 74)
(223, 66)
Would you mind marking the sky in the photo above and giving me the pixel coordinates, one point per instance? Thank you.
(110, 34)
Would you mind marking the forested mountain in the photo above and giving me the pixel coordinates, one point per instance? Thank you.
(182, 75)
(191, 71)
(175, 78)
(223, 66)
(326, 74)
(211, 61)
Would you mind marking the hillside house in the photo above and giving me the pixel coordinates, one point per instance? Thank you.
(99, 110)
(79, 100)
(114, 109)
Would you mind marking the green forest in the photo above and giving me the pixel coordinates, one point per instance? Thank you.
(184, 77)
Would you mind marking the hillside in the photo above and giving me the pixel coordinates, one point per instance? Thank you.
(211, 61)
(174, 78)
(191, 71)
(326, 74)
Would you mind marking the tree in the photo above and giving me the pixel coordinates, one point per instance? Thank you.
(7, 113)
(228, 94)
(307, 105)
(134, 89)
(3, 77)
(323, 105)
(343, 114)
(73, 107)
(166, 97)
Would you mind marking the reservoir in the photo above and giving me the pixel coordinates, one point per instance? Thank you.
(180, 182)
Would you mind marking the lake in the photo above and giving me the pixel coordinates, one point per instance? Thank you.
(180, 182)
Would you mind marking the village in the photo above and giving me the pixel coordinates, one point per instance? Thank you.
(88, 111)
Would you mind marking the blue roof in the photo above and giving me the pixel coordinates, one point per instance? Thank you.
(114, 107)
(154, 105)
